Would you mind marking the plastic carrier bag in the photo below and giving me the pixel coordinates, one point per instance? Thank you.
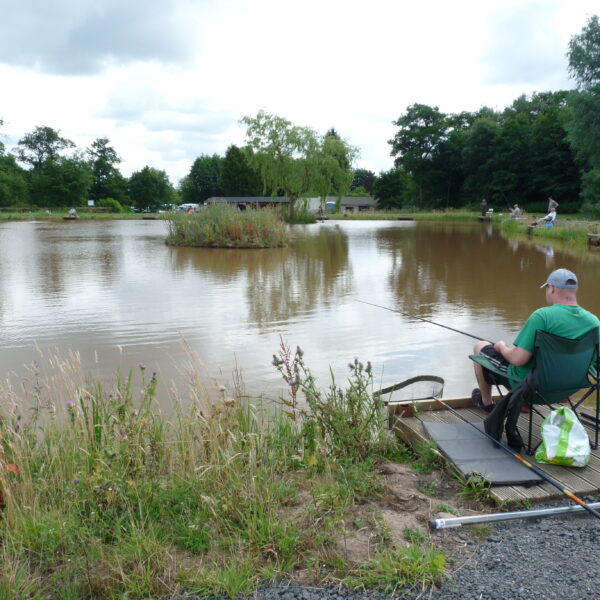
(564, 440)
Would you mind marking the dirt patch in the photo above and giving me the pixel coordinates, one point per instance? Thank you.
(409, 500)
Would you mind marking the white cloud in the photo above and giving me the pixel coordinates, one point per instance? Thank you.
(85, 36)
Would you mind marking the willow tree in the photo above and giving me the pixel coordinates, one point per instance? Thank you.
(296, 160)
(334, 171)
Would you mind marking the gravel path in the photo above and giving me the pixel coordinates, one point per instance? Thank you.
(543, 559)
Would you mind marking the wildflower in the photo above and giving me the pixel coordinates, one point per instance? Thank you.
(340, 393)
(350, 365)
(75, 481)
(141, 365)
(69, 403)
(290, 382)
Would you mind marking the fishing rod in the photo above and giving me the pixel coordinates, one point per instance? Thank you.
(475, 337)
(530, 466)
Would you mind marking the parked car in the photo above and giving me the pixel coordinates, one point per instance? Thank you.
(189, 207)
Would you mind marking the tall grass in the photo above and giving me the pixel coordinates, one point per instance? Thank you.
(566, 231)
(103, 496)
(223, 226)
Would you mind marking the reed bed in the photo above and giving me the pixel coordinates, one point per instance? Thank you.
(103, 496)
(223, 226)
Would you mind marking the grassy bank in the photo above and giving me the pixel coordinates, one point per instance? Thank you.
(223, 226)
(105, 497)
(575, 231)
(55, 215)
(451, 215)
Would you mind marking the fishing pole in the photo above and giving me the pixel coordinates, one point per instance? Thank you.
(475, 337)
(530, 466)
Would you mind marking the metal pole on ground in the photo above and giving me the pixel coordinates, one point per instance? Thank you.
(508, 516)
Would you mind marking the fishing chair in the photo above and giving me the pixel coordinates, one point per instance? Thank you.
(561, 367)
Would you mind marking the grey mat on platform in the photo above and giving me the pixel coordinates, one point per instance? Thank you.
(472, 452)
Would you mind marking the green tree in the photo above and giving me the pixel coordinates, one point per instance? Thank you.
(333, 172)
(392, 189)
(295, 159)
(13, 183)
(478, 156)
(584, 55)
(150, 188)
(365, 179)
(61, 182)
(416, 145)
(238, 178)
(285, 155)
(108, 181)
(204, 179)
(582, 119)
(43, 144)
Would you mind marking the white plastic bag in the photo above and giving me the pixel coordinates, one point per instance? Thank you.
(564, 440)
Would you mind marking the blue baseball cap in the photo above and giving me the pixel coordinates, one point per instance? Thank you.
(562, 278)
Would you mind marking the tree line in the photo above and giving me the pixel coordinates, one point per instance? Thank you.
(47, 170)
(546, 144)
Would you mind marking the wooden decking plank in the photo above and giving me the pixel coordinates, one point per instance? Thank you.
(579, 481)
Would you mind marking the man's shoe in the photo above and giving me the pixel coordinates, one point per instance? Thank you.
(478, 401)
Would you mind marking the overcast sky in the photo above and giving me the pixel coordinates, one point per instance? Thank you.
(168, 80)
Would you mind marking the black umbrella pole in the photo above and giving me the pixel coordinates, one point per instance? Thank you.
(530, 466)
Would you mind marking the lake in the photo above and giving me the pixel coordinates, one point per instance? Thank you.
(116, 294)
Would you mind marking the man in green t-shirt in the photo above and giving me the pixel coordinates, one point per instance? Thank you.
(562, 317)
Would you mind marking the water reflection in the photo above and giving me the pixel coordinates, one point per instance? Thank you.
(280, 283)
(114, 292)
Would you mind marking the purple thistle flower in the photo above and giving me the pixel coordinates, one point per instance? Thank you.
(351, 365)
(340, 393)
(290, 382)
(69, 403)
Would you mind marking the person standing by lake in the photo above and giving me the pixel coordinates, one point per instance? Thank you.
(483, 205)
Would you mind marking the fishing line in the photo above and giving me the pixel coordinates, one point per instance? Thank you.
(475, 337)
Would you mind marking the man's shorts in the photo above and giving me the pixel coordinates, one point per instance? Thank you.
(499, 363)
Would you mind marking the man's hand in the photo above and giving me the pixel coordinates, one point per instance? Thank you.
(513, 354)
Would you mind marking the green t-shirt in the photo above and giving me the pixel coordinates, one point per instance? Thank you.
(559, 319)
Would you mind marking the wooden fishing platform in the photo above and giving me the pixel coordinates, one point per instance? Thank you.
(408, 426)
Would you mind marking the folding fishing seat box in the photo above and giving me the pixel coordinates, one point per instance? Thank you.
(561, 367)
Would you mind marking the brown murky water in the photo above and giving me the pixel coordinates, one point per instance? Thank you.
(112, 291)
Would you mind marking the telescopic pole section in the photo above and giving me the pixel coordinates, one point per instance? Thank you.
(535, 469)
(507, 516)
